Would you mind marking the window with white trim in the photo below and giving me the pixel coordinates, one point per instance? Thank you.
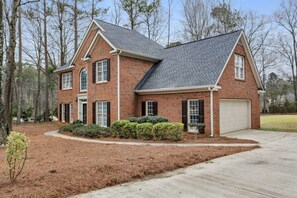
(63, 113)
(239, 67)
(70, 113)
(150, 109)
(67, 81)
(84, 80)
(101, 71)
(102, 114)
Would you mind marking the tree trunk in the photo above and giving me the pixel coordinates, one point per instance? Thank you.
(20, 70)
(75, 26)
(10, 63)
(46, 115)
(3, 132)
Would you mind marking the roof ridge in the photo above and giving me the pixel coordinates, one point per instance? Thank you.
(204, 39)
(113, 24)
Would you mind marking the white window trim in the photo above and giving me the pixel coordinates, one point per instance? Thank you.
(70, 112)
(146, 106)
(190, 129)
(97, 117)
(83, 90)
(62, 81)
(243, 68)
(63, 112)
(102, 81)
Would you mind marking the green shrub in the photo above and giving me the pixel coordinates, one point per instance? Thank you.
(133, 119)
(150, 119)
(144, 131)
(92, 131)
(16, 153)
(168, 131)
(117, 126)
(129, 131)
(70, 127)
(77, 122)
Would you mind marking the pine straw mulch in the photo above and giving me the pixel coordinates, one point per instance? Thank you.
(57, 167)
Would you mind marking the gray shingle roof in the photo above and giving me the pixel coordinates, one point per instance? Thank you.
(192, 64)
(131, 40)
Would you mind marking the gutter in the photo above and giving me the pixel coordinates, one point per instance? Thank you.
(119, 84)
(64, 69)
(131, 53)
(178, 89)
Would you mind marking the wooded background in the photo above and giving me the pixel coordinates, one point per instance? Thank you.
(38, 36)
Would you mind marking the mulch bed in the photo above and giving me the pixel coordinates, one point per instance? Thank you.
(58, 168)
(189, 138)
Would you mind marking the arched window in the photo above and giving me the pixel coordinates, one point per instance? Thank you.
(84, 80)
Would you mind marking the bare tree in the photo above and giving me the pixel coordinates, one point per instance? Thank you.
(3, 128)
(151, 14)
(170, 2)
(197, 21)
(33, 14)
(46, 114)
(20, 75)
(286, 17)
(117, 13)
(257, 29)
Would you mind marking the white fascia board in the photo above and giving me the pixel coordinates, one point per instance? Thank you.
(82, 42)
(133, 54)
(62, 70)
(252, 62)
(178, 89)
(91, 46)
(250, 58)
(229, 58)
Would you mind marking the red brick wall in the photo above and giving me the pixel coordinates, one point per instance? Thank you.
(239, 89)
(170, 105)
(132, 71)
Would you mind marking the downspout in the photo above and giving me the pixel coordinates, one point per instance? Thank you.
(211, 112)
(119, 88)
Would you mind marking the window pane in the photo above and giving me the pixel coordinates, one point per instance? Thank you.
(83, 80)
(102, 114)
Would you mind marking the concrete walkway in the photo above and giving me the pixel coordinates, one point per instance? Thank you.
(270, 171)
(56, 134)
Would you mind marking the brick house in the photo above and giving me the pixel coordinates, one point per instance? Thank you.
(117, 73)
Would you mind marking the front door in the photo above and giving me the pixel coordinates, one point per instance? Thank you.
(193, 115)
(84, 113)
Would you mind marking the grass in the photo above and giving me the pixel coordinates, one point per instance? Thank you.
(285, 123)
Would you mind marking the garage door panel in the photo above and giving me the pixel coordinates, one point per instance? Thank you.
(234, 115)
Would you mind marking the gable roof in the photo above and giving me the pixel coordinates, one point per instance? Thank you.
(130, 40)
(192, 64)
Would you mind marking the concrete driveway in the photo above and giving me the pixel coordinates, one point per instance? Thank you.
(270, 171)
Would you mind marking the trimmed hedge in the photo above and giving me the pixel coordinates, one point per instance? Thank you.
(150, 119)
(70, 127)
(129, 131)
(92, 131)
(144, 131)
(168, 131)
(117, 126)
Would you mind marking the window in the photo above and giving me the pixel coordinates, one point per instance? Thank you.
(150, 108)
(63, 106)
(193, 111)
(71, 113)
(101, 70)
(239, 67)
(102, 114)
(67, 81)
(83, 79)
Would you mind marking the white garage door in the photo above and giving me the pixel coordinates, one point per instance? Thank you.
(234, 115)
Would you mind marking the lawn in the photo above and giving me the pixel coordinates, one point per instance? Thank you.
(58, 167)
(287, 123)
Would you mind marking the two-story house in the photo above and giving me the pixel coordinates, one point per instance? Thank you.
(117, 73)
